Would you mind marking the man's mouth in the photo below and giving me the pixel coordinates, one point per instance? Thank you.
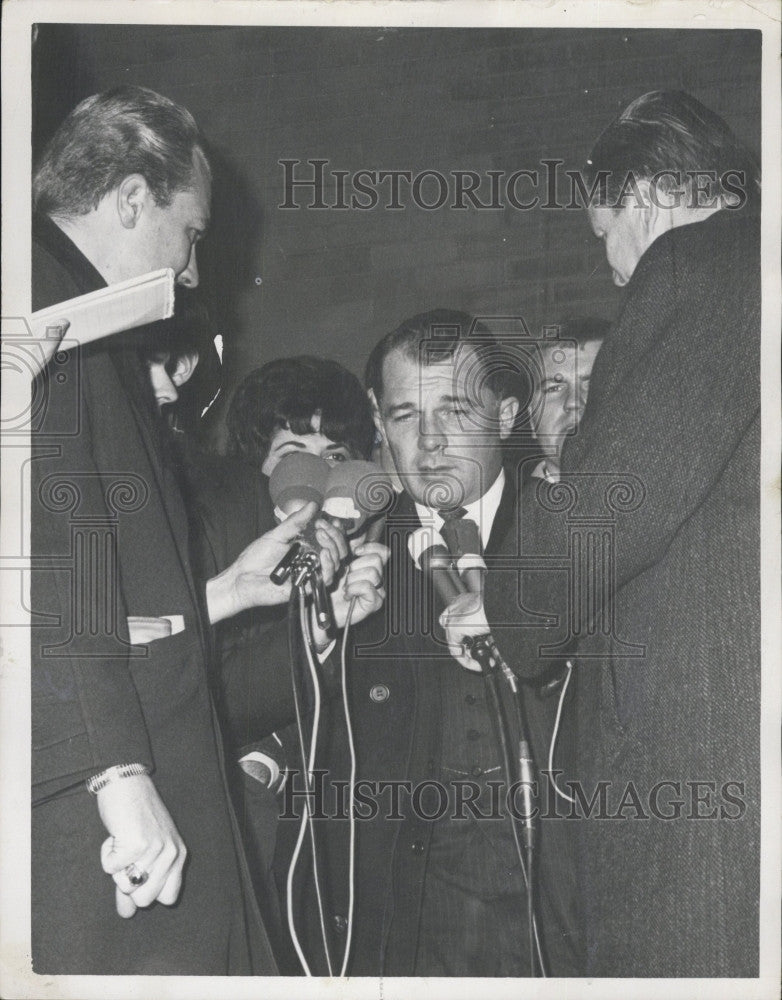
(434, 470)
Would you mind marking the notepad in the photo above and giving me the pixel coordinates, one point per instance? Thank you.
(110, 310)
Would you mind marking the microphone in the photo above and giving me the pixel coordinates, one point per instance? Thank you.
(357, 495)
(464, 543)
(295, 481)
(351, 494)
(431, 556)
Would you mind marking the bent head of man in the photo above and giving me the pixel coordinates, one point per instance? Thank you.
(666, 161)
(441, 404)
(126, 177)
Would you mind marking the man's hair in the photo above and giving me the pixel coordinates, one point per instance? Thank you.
(433, 337)
(127, 130)
(186, 333)
(669, 130)
(581, 330)
(287, 393)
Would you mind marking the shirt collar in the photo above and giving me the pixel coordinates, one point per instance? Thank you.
(482, 511)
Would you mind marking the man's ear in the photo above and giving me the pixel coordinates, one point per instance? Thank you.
(653, 216)
(185, 366)
(132, 196)
(378, 420)
(509, 410)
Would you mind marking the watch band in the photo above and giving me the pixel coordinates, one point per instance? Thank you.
(98, 781)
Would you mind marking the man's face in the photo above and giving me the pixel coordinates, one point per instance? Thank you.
(285, 442)
(166, 236)
(558, 401)
(626, 237)
(166, 383)
(445, 443)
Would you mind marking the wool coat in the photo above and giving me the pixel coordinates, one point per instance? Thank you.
(109, 541)
(645, 560)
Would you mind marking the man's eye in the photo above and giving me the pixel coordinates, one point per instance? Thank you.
(336, 456)
(403, 417)
(556, 387)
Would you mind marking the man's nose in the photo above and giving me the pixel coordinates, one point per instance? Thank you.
(189, 277)
(167, 394)
(430, 436)
(572, 401)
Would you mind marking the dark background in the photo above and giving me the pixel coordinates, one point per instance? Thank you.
(332, 282)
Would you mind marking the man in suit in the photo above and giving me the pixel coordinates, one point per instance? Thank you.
(439, 889)
(659, 491)
(124, 735)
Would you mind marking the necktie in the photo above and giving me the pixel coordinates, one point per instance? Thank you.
(459, 533)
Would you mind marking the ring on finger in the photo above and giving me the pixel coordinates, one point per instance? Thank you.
(136, 876)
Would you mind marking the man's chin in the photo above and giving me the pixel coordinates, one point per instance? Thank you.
(434, 489)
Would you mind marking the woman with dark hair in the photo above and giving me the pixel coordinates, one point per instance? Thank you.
(288, 406)
(300, 404)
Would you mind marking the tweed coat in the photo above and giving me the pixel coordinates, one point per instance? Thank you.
(110, 540)
(646, 559)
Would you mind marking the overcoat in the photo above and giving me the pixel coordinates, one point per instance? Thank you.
(109, 541)
(646, 559)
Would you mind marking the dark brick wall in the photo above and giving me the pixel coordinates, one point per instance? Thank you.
(393, 99)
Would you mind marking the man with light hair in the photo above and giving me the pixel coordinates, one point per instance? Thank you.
(124, 734)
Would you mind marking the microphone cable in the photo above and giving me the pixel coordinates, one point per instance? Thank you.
(297, 612)
(307, 633)
(555, 733)
(351, 789)
(526, 866)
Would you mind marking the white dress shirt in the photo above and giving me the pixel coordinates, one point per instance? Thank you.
(482, 511)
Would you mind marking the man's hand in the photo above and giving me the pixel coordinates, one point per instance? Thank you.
(464, 616)
(247, 582)
(363, 579)
(143, 834)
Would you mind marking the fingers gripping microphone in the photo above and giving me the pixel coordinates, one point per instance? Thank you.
(296, 481)
(430, 554)
(352, 495)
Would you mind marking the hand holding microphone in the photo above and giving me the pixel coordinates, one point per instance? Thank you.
(464, 616)
(248, 582)
(352, 495)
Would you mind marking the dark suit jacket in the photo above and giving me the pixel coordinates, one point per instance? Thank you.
(407, 730)
(110, 540)
(656, 585)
